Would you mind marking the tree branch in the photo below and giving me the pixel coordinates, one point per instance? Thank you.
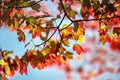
(52, 33)
(65, 11)
(67, 26)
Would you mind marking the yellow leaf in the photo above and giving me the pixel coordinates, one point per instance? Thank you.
(103, 26)
(7, 70)
(34, 52)
(45, 51)
(2, 62)
(81, 39)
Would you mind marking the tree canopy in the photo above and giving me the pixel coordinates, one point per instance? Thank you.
(56, 30)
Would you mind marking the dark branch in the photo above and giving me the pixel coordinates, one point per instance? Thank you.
(61, 21)
(52, 33)
(47, 39)
(66, 26)
(65, 11)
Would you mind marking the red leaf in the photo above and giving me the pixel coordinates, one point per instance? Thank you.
(77, 48)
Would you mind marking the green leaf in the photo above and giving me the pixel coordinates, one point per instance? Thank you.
(72, 13)
(36, 6)
(31, 20)
(18, 16)
(23, 3)
(7, 70)
(45, 51)
(51, 43)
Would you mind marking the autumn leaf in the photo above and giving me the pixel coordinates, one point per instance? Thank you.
(68, 55)
(21, 35)
(45, 51)
(51, 44)
(77, 48)
(81, 39)
(40, 66)
(2, 62)
(116, 30)
(7, 70)
(31, 21)
(104, 27)
(66, 30)
(65, 42)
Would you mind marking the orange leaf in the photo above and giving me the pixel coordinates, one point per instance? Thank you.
(77, 48)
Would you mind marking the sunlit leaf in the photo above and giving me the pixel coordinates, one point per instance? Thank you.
(7, 70)
(40, 66)
(31, 21)
(103, 26)
(77, 48)
(67, 30)
(45, 51)
(81, 39)
(2, 62)
(105, 38)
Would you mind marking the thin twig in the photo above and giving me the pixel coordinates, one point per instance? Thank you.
(52, 33)
(47, 39)
(65, 11)
(67, 26)
(61, 22)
